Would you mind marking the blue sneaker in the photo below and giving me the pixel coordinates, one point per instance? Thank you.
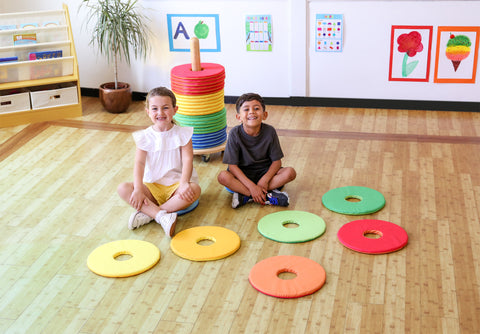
(238, 200)
(276, 197)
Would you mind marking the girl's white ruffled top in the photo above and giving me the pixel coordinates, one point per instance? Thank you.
(164, 159)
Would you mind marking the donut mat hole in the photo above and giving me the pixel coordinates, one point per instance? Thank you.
(122, 256)
(290, 224)
(286, 274)
(372, 234)
(353, 199)
(206, 241)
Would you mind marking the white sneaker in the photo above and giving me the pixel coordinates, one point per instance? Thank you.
(168, 221)
(138, 219)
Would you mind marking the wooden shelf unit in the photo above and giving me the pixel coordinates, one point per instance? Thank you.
(68, 77)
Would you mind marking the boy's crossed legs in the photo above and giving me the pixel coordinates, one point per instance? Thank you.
(273, 196)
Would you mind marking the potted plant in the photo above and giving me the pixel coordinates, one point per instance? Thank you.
(119, 29)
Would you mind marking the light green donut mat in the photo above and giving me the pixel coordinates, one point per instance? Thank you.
(306, 226)
(353, 200)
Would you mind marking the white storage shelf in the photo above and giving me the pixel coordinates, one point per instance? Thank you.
(34, 90)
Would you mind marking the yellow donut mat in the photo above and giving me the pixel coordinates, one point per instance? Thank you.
(103, 260)
(186, 243)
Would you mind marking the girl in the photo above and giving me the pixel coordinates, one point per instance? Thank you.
(164, 180)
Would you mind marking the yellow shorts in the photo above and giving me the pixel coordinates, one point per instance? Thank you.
(160, 192)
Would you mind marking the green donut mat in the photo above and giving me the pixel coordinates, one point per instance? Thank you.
(219, 115)
(337, 200)
(310, 226)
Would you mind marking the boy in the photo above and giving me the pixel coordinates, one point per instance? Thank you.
(253, 155)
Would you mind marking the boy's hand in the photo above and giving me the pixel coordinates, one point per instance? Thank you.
(138, 199)
(263, 184)
(258, 194)
(185, 192)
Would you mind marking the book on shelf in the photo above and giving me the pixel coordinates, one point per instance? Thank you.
(8, 27)
(51, 24)
(49, 70)
(45, 55)
(8, 59)
(32, 25)
(21, 39)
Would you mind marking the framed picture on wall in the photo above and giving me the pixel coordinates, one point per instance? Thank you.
(410, 49)
(456, 54)
(182, 27)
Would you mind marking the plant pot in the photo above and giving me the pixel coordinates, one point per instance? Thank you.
(115, 100)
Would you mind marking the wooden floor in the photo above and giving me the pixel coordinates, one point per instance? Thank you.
(58, 202)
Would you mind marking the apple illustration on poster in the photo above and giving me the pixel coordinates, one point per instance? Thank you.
(201, 30)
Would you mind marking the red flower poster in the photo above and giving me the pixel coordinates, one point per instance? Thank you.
(410, 49)
(457, 54)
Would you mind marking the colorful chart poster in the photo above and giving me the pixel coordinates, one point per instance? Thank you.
(329, 33)
(259, 32)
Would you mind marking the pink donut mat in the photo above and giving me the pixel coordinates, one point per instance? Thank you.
(264, 276)
(389, 237)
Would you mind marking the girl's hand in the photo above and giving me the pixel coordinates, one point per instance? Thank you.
(138, 199)
(186, 192)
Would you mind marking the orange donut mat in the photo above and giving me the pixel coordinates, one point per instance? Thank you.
(187, 243)
(264, 276)
(103, 259)
(372, 236)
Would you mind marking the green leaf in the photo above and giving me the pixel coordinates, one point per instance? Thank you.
(411, 66)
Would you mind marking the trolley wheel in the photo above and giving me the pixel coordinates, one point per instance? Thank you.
(206, 157)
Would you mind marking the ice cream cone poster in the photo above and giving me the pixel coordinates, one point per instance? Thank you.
(456, 55)
(410, 49)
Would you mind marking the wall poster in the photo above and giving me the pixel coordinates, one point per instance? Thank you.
(182, 27)
(329, 33)
(456, 54)
(410, 49)
(258, 30)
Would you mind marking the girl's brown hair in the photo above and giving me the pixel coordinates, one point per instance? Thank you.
(161, 91)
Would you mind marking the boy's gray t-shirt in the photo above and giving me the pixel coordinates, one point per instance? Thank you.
(252, 154)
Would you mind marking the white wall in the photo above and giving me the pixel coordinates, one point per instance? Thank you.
(293, 68)
(361, 70)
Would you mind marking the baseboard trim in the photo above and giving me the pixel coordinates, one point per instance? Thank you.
(299, 101)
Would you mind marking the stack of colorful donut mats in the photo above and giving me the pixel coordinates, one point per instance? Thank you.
(306, 226)
(201, 104)
(187, 243)
(371, 236)
(103, 260)
(264, 276)
(367, 200)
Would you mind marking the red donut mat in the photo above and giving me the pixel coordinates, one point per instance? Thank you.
(391, 236)
(208, 70)
(193, 91)
(264, 276)
(199, 81)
